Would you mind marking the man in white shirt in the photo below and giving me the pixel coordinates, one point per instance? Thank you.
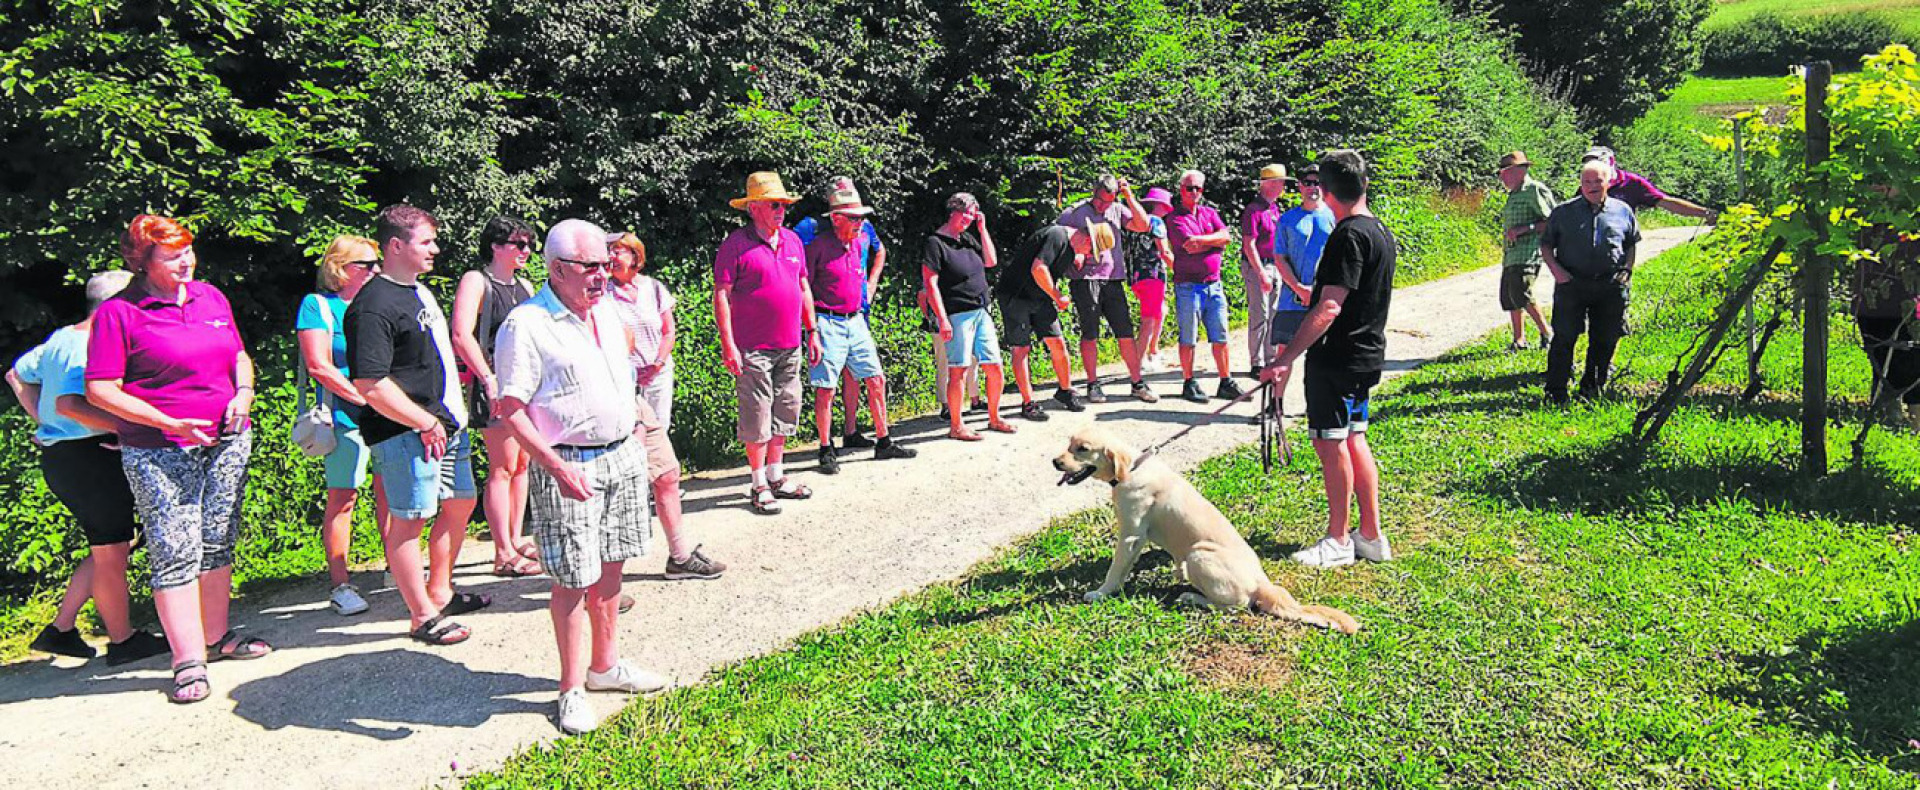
(567, 393)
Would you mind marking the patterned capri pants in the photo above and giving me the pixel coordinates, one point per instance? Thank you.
(576, 537)
(189, 499)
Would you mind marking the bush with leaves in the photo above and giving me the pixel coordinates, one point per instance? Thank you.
(1772, 44)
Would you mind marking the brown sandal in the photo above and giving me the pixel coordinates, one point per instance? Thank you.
(798, 491)
(185, 677)
(764, 501)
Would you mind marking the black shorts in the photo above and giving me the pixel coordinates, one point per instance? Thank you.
(1022, 320)
(1516, 286)
(90, 481)
(1338, 402)
(1094, 299)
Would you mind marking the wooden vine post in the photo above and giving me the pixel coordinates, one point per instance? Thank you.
(1814, 280)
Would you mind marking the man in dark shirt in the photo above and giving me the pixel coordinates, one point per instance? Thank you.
(402, 362)
(1589, 246)
(1030, 305)
(1345, 339)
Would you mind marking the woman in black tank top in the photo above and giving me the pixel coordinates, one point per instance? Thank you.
(480, 306)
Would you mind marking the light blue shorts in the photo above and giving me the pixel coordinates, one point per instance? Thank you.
(1194, 303)
(844, 343)
(347, 465)
(975, 340)
(415, 486)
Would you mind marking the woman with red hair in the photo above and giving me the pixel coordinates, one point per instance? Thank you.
(166, 361)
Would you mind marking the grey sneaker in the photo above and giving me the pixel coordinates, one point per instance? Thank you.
(1094, 395)
(576, 713)
(697, 566)
(347, 600)
(1143, 393)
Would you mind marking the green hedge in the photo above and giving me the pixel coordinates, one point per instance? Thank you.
(1770, 44)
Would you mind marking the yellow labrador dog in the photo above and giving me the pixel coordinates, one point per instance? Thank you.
(1154, 503)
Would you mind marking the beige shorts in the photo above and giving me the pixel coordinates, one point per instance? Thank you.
(660, 456)
(768, 389)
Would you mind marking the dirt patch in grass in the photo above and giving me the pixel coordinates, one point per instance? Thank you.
(1240, 665)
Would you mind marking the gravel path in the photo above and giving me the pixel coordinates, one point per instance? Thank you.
(352, 703)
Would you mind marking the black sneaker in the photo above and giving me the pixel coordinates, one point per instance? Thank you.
(62, 643)
(945, 416)
(1191, 392)
(1094, 395)
(887, 449)
(1032, 411)
(697, 566)
(855, 441)
(1143, 393)
(143, 644)
(829, 461)
(979, 404)
(1070, 400)
(1229, 389)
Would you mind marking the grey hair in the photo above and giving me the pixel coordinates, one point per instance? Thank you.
(1599, 166)
(106, 285)
(1194, 176)
(569, 238)
(961, 201)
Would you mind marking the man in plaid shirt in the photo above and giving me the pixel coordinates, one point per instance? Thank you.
(1524, 217)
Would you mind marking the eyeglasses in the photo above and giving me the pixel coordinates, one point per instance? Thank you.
(588, 265)
(1193, 188)
(524, 244)
(1309, 182)
(368, 264)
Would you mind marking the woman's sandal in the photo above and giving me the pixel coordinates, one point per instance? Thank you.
(763, 501)
(798, 491)
(965, 436)
(232, 647)
(439, 633)
(1002, 426)
(517, 568)
(186, 677)
(462, 603)
(529, 550)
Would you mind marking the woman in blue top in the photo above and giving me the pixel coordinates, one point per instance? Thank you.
(82, 469)
(349, 262)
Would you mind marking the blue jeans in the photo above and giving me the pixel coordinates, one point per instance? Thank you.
(1194, 303)
(415, 486)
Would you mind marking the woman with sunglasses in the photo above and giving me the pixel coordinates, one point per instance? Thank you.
(321, 328)
(480, 306)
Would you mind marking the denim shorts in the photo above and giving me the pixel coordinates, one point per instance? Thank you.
(975, 341)
(845, 343)
(1195, 303)
(415, 486)
(347, 465)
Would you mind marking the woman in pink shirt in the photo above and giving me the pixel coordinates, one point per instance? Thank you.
(166, 361)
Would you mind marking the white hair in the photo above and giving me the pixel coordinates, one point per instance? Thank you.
(106, 285)
(1193, 176)
(570, 238)
(1598, 166)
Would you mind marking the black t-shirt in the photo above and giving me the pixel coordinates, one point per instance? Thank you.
(961, 269)
(1053, 245)
(1359, 256)
(395, 332)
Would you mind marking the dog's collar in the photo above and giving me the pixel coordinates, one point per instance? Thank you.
(1137, 462)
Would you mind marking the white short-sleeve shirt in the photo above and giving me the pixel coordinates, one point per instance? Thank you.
(574, 374)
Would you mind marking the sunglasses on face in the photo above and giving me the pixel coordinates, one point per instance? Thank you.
(589, 266)
(368, 264)
(1192, 188)
(523, 245)
(1309, 182)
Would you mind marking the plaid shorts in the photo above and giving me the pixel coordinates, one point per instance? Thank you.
(576, 537)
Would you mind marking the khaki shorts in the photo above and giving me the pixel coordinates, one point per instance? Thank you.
(660, 456)
(1516, 286)
(768, 389)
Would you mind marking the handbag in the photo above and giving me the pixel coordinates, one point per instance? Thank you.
(313, 423)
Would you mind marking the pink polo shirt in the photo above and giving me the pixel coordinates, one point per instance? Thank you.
(1194, 267)
(766, 288)
(179, 358)
(836, 273)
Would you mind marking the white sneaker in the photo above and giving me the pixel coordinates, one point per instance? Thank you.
(347, 600)
(576, 713)
(1372, 550)
(625, 677)
(1328, 553)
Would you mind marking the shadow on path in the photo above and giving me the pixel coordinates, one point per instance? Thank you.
(380, 694)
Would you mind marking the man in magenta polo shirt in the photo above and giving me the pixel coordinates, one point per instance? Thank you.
(1258, 272)
(762, 307)
(1197, 235)
(1639, 193)
(837, 276)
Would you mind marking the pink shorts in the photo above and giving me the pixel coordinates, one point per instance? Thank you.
(1153, 298)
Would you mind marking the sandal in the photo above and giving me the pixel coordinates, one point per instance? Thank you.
(232, 646)
(517, 568)
(462, 603)
(964, 435)
(1001, 426)
(186, 677)
(439, 633)
(798, 491)
(529, 550)
(764, 502)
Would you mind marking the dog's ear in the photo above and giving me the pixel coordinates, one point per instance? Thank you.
(1122, 462)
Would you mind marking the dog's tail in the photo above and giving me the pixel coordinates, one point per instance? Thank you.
(1272, 600)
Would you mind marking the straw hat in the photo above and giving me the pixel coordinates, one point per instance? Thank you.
(1272, 172)
(763, 187)
(847, 201)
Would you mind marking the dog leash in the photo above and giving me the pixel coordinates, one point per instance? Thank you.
(1273, 425)
(1204, 420)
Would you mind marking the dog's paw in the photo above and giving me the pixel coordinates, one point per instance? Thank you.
(1095, 596)
(1193, 599)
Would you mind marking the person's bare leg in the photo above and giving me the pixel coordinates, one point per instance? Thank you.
(776, 453)
(850, 401)
(1539, 320)
(1022, 378)
(1057, 353)
(179, 611)
(336, 531)
(522, 463)
(443, 547)
(79, 589)
(568, 609)
(1366, 485)
(877, 405)
(497, 496)
(956, 379)
(402, 543)
(1131, 355)
(1221, 361)
(973, 382)
(666, 502)
(1090, 360)
(216, 596)
(941, 372)
(603, 614)
(1519, 329)
(1186, 361)
(1336, 473)
(995, 383)
(823, 415)
(109, 574)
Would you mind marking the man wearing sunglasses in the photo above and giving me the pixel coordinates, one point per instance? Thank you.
(1298, 239)
(1099, 285)
(1197, 234)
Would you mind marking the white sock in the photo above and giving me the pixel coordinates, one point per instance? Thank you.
(760, 477)
(776, 472)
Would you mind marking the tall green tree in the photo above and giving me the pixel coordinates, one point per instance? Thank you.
(1613, 59)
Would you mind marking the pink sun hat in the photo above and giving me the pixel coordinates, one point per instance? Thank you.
(1158, 195)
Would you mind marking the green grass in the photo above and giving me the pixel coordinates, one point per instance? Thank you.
(1905, 13)
(1718, 98)
(1568, 611)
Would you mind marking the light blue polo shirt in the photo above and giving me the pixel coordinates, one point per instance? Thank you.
(58, 367)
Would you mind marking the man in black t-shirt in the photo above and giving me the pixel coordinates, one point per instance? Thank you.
(1344, 336)
(414, 425)
(1030, 305)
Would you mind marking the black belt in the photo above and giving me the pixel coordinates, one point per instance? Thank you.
(838, 314)
(588, 452)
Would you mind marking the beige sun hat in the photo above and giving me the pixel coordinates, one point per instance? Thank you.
(847, 201)
(763, 187)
